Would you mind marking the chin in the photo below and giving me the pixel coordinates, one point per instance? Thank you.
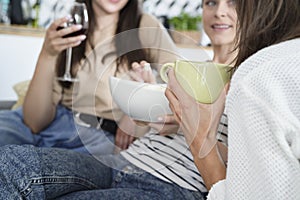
(219, 41)
(113, 6)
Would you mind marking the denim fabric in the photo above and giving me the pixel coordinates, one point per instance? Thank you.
(61, 133)
(34, 173)
(133, 183)
(28, 172)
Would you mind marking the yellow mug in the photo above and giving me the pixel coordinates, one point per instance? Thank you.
(204, 81)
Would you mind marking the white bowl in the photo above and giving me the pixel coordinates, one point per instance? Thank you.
(141, 101)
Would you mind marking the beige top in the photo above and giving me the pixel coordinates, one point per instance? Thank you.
(91, 94)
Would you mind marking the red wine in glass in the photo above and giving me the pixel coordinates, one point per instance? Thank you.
(82, 31)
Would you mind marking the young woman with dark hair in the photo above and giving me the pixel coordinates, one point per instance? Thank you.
(81, 116)
(131, 16)
(262, 106)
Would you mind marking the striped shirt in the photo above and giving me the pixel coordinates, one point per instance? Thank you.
(169, 157)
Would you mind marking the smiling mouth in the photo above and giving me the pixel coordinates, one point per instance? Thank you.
(221, 26)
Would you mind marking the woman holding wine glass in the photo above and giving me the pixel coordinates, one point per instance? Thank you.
(81, 115)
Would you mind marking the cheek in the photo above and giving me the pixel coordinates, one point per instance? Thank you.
(233, 17)
(100, 2)
(206, 24)
(125, 2)
(207, 19)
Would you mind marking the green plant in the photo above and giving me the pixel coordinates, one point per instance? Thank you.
(185, 21)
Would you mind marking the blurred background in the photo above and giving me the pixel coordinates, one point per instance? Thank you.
(23, 24)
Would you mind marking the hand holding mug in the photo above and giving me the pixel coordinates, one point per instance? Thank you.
(204, 81)
(198, 121)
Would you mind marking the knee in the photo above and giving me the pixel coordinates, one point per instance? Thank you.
(15, 169)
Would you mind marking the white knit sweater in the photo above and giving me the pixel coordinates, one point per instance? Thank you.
(263, 107)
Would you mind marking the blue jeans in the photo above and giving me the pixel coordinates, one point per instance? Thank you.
(61, 133)
(28, 172)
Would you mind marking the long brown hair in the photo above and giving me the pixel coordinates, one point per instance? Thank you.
(129, 18)
(262, 23)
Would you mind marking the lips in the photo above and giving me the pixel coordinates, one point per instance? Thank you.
(114, 1)
(221, 26)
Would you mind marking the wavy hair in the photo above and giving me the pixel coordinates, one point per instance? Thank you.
(262, 23)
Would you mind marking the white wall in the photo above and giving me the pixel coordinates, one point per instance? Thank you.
(18, 56)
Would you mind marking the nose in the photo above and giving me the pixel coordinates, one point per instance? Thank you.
(222, 9)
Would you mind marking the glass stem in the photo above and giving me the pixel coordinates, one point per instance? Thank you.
(68, 62)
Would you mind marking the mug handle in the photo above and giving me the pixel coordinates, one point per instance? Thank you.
(163, 71)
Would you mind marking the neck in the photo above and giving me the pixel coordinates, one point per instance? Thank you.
(224, 54)
(105, 25)
(104, 19)
(107, 20)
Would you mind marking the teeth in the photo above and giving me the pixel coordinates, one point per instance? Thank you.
(221, 26)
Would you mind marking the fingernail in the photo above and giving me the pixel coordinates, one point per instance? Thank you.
(147, 67)
(83, 37)
(68, 17)
(78, 26)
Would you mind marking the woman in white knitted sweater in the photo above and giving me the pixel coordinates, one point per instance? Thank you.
(263, 109)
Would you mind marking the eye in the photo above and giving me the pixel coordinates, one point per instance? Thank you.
(210, 3)
(232, 2)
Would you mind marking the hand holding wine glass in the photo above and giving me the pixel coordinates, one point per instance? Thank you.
(78, 16)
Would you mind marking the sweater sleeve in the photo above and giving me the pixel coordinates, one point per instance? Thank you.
(264, 138)
(217, 192)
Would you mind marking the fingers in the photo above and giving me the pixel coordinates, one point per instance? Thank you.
(143, 62)
(56, 40)
(135, 76)
(137, 67)
(168, 119)
(174, 105)
(177, 89)
(165, 128)
(61, 29)
(157, 126)
(136, 72)
(63, 33)
(147, 72)
(119, 140)
(173, 85)
(59, 22)
(69, 42)
(141, 123)
(142, 72)
(173, 100)
(123, 140)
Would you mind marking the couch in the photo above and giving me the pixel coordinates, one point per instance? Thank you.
(6, 105)
(20, 89)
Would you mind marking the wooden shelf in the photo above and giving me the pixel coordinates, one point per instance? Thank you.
(21, 30)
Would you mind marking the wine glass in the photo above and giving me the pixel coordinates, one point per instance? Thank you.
(78, 15)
